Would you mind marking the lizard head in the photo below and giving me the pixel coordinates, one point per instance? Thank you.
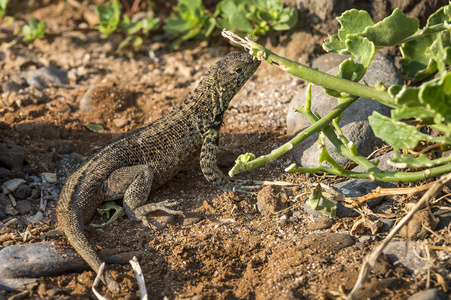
(225, 79)
(233, 71)
(221, 83)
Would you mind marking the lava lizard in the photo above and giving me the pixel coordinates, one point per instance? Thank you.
(143, 160)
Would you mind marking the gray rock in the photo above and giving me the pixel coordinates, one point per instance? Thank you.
(354, 121)
(2, 212)
(38, 130)
(387, 224)
(11, 86)
(85, 103)
(332, 242)
(383, 163)
(45, 163)
(64, 148)
(322, 222)
(23, 207)
(17, 284)
(12, 157)
(271, 199)
(327, 61)
(120, 122)
(47, 76)
(418, 227)
(48, 259)
(190, 218)
(408, 254)
(22, 192)
(350, 188)
(4, 172)
(30, 172)
(4, 201)
(444, 216)
(12, 185)
(430, 294)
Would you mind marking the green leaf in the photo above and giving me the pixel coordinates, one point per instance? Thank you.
(132, 28)
(210, 25)
(414, 59)
(150, 24)
(391, 30)
(409, 161)
(137, 42)
(34, 30)
(94, 127)
(437, 95)
(288, 20)
(265, 16)
(406, 112)
(418, 58)
(174, 26)
(440, 16)
(244, 158)
(438, 53)
(125, 41)
(109, 17)
(405, 95)
(3, 4)
(320, 203)
(397, 134)
(193, 6)
(227, 8)
(352, 22)
(238, 21)
(361, 48)
(350, 70)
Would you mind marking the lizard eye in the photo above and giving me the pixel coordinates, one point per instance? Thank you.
(238, 70)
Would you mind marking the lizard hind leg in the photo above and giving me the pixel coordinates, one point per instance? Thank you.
(134, 184)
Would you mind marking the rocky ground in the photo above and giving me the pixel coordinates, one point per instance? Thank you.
(265, 246)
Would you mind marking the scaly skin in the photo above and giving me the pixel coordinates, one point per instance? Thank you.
(145, 159)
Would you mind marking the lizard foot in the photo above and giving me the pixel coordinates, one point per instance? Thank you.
(240, 187)
(105, 209)
(165, 205)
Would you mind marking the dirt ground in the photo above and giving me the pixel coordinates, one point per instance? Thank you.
(222, 248)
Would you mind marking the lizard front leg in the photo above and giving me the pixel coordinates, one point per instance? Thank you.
(209, 166)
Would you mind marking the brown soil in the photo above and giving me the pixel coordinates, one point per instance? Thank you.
(222, 248)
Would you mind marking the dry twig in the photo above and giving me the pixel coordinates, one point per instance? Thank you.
(140, 277)
(96, 282)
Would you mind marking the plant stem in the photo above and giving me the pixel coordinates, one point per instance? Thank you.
(318, 126)
(325, 80)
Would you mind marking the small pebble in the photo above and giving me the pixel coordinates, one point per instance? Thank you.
(38, 217)
(430, 294)
(12, 185)
(23, 192)
(120, 122)
(23, 207)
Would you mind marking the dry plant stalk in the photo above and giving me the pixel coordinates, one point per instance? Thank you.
(370, 260)
(140, 277)
(379, 192)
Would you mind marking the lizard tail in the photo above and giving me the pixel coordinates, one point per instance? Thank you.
(74, 231)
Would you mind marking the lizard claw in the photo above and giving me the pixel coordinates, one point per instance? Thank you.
(239, 187)
(163, 205)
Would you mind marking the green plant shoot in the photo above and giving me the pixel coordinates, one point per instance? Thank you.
(34, 30)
